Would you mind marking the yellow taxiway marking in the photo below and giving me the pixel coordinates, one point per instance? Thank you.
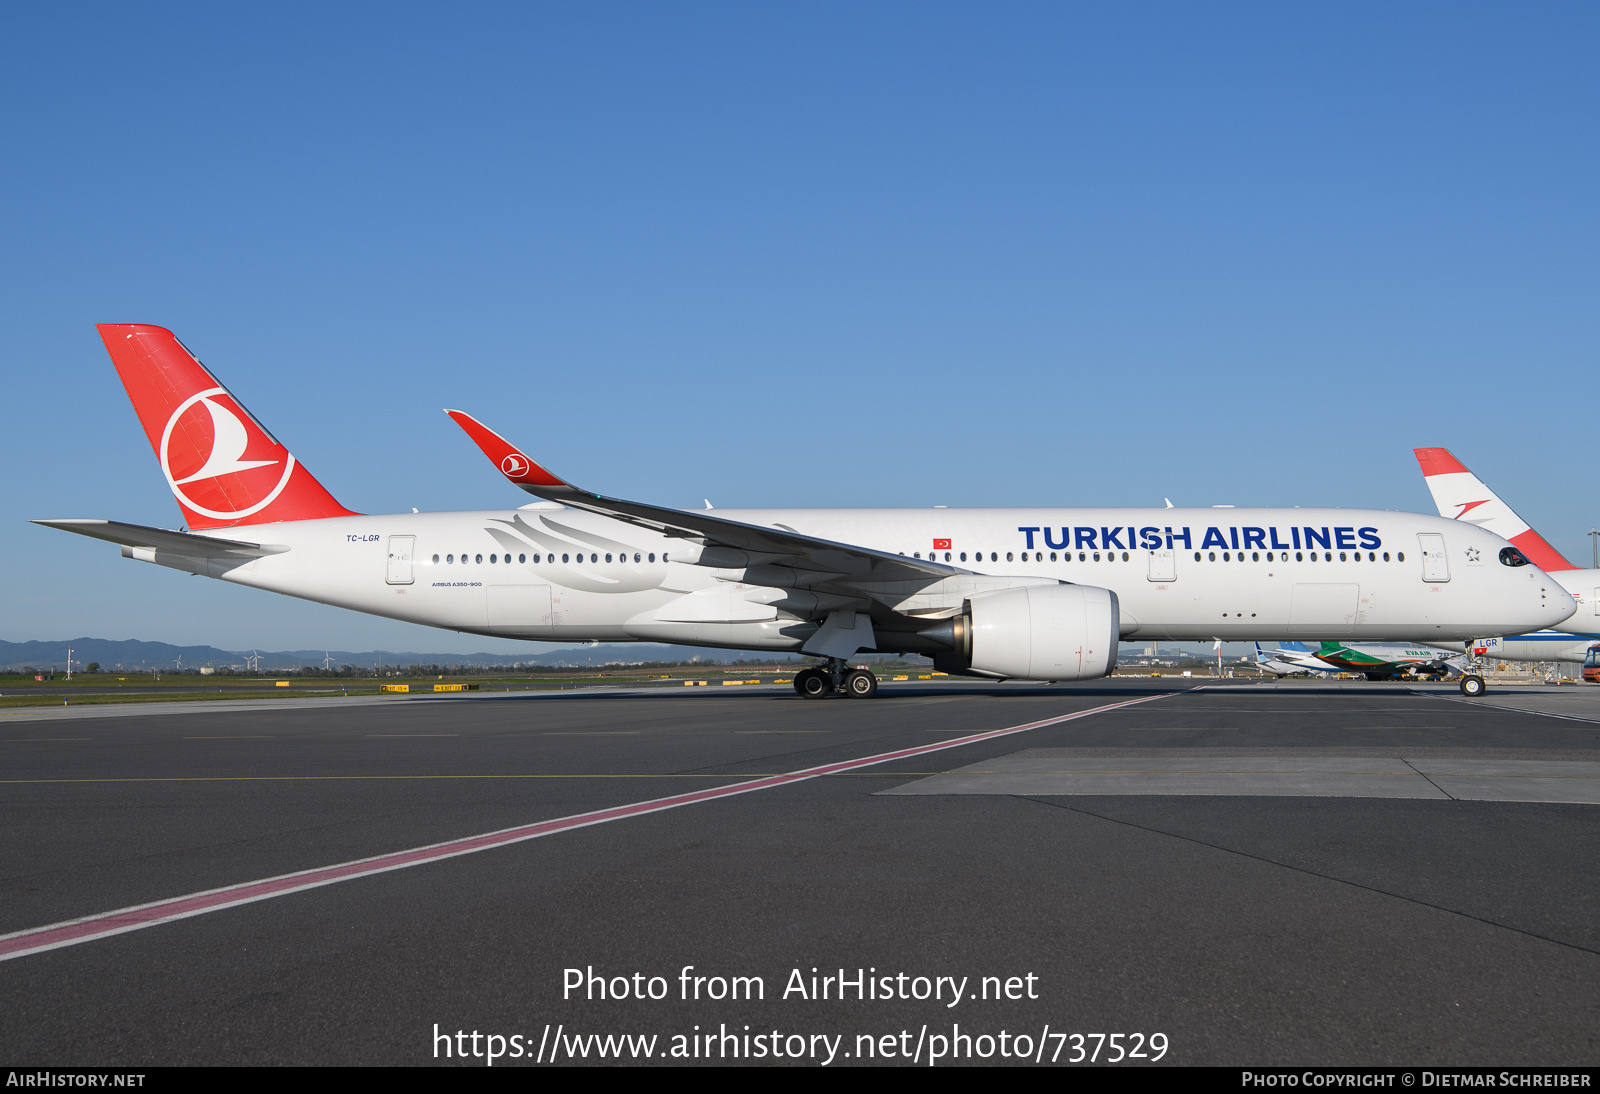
(593, 733)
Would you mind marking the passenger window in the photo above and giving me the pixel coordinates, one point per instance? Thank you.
(1082, 557)
(608, 556)
(1052, 556)
(436, 560)
(1269, 556)
(522, 558)
(494, 558)
(1009, 558)
(652, 556)
(1327, 556)
(994, 556)
(449, 559)
(1386, 556)
(1097, 556)
(1297, 557)
(1341, 556)
(1211, 556)
(1124, 556)
(1255, 556)
(636, 556)
(1197, 556)
(963, 556)
(1400, 556)
(479, 559)
(1225, 557)
(565, 558)
(916, 554)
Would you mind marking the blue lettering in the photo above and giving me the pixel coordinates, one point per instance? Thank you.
(1369, 539)
(1234, 534)
(1029, 533)
(1111, 537)
(1295, 532)
(1151, 538)
(1313, 537)
(1066, 539)
(1084, 536)
(1213, 539)
(1183, 535)
(1345, 537)
(1276, 546)
(1255, 537)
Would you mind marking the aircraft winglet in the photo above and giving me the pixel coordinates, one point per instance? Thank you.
(513, 464)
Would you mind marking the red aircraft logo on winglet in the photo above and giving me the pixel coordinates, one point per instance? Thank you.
(514, 465)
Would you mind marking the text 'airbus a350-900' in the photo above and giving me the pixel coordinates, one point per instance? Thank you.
(1024, 594)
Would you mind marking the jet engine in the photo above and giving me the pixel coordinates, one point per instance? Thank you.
(1039, 632)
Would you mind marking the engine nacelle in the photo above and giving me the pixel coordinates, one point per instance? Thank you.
(1044, 632)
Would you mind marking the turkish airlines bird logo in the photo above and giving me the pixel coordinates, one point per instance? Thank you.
(221, 483)
(515, 465)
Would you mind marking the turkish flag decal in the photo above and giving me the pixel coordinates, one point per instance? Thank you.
(941, 545)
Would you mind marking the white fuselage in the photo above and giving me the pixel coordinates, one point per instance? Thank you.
(1177, 573)
(1568, 640)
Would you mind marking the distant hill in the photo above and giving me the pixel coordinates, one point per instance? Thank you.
(135, 655)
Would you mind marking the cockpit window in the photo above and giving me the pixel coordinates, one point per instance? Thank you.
(1510, 556)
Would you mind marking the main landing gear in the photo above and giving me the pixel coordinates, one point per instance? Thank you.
(836, 676)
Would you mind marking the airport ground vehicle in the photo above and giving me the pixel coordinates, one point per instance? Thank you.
(1033, 594)
(1591, 664)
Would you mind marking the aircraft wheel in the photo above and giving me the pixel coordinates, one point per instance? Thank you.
(861, 684)
(800, 680)
(1472, 686)
(816, 684)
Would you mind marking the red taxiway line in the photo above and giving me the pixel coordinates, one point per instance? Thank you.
(105, 924)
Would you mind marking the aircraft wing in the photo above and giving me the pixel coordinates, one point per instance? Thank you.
(771, 545)
(164, 539)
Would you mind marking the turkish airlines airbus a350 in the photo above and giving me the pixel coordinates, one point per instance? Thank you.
(1032, 594)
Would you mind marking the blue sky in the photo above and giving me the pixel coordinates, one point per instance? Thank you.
(819, 254)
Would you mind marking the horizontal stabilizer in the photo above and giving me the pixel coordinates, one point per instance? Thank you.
(165, 539)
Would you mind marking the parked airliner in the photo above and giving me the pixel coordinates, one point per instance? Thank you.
(1461, 495)
(1031, 594)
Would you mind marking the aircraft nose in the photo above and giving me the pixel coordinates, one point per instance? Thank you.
(1555, 603)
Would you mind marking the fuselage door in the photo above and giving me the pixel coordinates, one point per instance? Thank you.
(400, 548)
(1597, 602)
(1163, 564)
(1435, 566)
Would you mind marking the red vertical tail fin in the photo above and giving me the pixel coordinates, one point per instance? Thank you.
(222, 465)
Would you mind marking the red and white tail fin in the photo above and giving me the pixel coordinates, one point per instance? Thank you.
(223, 467)
(1461, 495)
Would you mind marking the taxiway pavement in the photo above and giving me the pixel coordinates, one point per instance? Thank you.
(1345, 926)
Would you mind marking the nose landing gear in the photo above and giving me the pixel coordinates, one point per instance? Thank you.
(836, 676)
(1472, 685)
